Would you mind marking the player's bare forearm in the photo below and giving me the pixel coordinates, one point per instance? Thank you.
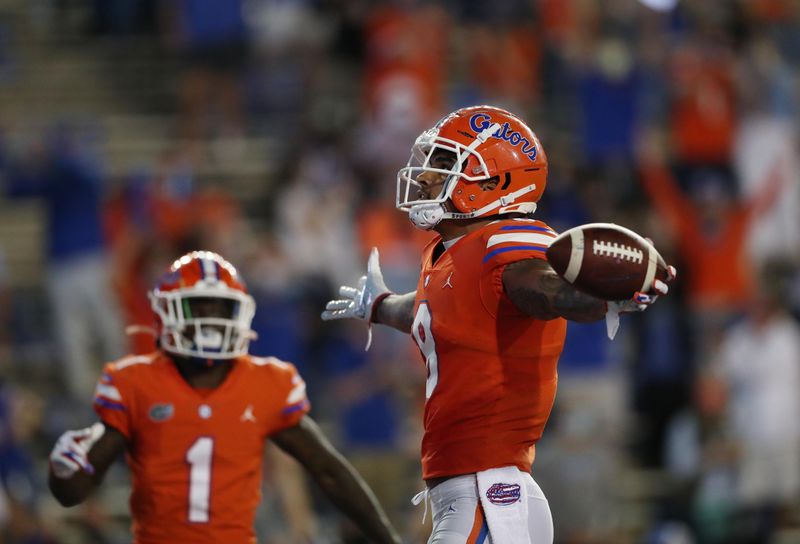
(337, 479)
(536, 290)
(74, 490)
(396, 311)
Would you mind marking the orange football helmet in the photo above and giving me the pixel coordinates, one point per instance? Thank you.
(203, 308)
(489, 144)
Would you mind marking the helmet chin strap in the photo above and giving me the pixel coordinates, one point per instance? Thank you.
(427, 215)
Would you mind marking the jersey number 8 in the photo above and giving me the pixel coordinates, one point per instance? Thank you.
(421, 331)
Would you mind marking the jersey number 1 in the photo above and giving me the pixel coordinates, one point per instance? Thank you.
(199, 458)
(421, 331)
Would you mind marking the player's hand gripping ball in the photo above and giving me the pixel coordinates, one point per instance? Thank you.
(609, 262)
(614, 264)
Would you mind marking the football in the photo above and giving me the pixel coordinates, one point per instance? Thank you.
(606, 260)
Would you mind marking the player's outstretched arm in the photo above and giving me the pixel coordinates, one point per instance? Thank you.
(80, 459)
(536, 290)
(337, 478)
(372, 301)
(396, 311)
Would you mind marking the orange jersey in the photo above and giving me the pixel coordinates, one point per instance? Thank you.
(196, 457)
(491, 369)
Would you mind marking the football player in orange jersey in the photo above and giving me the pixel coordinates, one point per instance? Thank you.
(489, 317)
(193, 418)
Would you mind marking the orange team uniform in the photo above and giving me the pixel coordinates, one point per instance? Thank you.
(196, 455)
(491, 369)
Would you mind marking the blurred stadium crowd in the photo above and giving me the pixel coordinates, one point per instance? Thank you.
(270, 131)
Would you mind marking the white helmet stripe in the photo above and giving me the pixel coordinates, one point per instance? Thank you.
(209, 270)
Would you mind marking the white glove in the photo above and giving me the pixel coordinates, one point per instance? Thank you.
(70, 454)
(358, 302)
(638, 303)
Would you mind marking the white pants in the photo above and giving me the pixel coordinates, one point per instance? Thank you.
(458, 517)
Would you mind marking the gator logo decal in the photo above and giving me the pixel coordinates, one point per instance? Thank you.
(503, 494)
(161, 412)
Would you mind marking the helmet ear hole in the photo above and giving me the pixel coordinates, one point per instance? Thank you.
(489, 184)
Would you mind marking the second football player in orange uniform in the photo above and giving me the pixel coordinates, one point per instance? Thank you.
(489, 317)
(193, 419)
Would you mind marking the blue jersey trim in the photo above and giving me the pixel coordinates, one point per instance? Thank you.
(527, 227)
(109, 404)
(513, 248)
(295, 407)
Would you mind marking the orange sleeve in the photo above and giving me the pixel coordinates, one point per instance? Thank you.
(516, 241)
(295, 403)
(509, 242)
(113, 401)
